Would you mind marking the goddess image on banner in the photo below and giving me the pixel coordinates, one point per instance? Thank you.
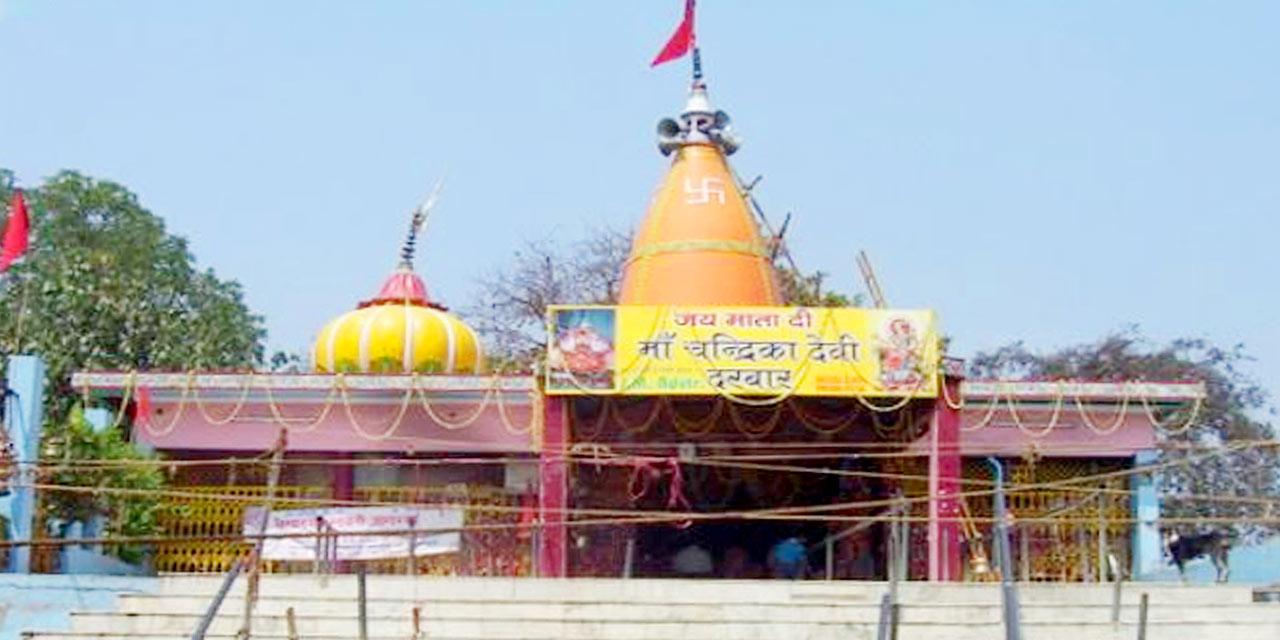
(581, 352)
(746, 351)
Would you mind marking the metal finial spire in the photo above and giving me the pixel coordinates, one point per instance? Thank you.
(416, 222)
(700, 122)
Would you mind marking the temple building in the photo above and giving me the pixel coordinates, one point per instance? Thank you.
(701, 411)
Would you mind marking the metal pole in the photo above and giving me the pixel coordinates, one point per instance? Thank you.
(904, 550)
(831, 560)
(1115, 599)
(1012, 615)
(535, 547)
(1082, 543)
(413, 546)
(895, 560)
(628, 562)
(417, 623)
(1024, 552)
(886, 617)
(1142, 618)
(363, 602)
(293, 624)
(315, 564)
(1102, 541)
(216, 603)
(255, 555)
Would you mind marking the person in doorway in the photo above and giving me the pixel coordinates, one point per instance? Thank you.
(692, 562)
(789, 559)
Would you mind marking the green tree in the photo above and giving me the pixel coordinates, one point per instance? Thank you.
(1236, 411)
(105, 286)
(117, 464)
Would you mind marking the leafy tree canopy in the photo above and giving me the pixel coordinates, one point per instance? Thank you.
(1229, 450)
(105, 286)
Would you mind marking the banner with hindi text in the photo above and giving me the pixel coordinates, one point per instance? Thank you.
(741, 351)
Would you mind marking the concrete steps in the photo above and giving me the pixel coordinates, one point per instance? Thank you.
(133, 609)
(525, 609)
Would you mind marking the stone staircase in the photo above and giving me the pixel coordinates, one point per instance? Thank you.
(589, 609)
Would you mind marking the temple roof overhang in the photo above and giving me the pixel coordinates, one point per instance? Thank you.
(114, 383)
(502, 414)
(339, 413)
(1051, 391)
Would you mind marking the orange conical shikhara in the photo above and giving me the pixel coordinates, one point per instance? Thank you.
(699, 244)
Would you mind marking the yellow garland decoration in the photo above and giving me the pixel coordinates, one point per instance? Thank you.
(816, 426)
(704, 425)
(1036, 434)
(1115, 424)
(235, 410)
(130, 382)
(177, 415)
(646, 424)
(986, 419)
(884, 432)
(599, 422)
(440, 420)
(281, 420)
(1191, 417)
(754, 433)
(946, 395)
(394, 423)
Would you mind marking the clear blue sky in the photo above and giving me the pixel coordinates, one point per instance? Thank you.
(1046, 171)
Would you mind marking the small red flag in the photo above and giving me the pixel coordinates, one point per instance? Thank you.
(681, 41)
(142, 407)
(16, 232)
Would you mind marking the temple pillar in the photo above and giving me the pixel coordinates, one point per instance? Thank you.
(945, 548)
(553, 490)
(1147, 556)
(24, 421)
(343, 480)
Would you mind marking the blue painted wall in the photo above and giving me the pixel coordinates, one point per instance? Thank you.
(45, 602)
(1257, 564)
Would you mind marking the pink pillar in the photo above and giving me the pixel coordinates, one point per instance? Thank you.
(945, 553)
(344, 480)
(553, 488)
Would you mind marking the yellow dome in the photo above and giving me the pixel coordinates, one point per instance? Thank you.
(400, 330)
(399, 337)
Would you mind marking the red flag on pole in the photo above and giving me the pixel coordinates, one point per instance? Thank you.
(681, 41)
(16, 232)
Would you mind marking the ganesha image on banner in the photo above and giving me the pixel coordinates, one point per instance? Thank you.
(581, 352)
(899, 350)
